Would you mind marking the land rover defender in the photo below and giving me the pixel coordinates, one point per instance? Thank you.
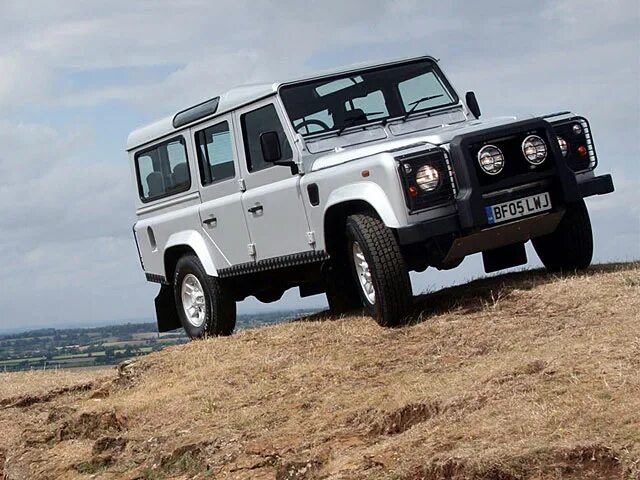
(344, 182)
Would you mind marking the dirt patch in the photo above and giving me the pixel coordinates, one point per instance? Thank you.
(130, 373)
(188, 458)
(406, 417)
(59, 413)
(3, 458)
(298, 470)
(28, 400)
(588, 463)
(91, 425)
(402, 419)
(109, 445)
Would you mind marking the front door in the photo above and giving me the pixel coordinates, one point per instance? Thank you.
(221, 212)
(273, 202)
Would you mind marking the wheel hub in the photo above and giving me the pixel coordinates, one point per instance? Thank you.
(363, 273)
(193, 302)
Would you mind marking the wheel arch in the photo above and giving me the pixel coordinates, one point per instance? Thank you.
(362, 197)
(183, 243)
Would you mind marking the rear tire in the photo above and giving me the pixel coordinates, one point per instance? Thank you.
(205, 306)
(570, 246)
(379, 270)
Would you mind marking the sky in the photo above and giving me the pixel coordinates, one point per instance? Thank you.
(77, 76)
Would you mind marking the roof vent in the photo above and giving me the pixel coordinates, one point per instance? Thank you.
(196, 112)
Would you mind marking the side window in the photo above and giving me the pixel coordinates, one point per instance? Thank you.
(372, 105)
(163, 170)
(215, 153)
(254, 124)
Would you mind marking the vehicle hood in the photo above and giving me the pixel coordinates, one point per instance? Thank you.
(432, 136)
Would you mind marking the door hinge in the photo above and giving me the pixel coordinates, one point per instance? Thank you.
(252, 249)
(311, 238)
(242, 185)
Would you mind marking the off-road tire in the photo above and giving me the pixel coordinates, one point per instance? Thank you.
(220, 311)
(570, 246)
(342, 290)
(390, 276)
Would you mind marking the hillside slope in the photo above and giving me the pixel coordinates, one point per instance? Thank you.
(524, 375)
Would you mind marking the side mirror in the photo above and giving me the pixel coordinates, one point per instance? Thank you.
(270, 144)
(472, 104)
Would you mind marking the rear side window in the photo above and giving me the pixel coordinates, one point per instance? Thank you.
(215, 153)
(163, 170)
(256, 123)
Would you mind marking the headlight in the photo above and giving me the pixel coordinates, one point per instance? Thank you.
(564, 146)
(427, 178)
(491, 159)
(534, 149)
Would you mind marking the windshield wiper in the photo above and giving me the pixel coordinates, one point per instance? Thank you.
(351, 121)
(418, 102)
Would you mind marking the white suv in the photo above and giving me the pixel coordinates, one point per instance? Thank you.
(343, 183)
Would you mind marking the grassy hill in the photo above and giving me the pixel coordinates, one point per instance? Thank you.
(521, 376)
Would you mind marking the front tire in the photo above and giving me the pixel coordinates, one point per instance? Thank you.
(570, 246)
(204, 305)
(379, 270)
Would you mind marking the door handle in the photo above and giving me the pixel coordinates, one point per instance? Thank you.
(255, 209)
(211, 221)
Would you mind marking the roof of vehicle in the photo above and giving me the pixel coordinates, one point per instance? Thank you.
(239, 96)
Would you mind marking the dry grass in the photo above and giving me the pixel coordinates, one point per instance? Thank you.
(39, 382)
(521, 376)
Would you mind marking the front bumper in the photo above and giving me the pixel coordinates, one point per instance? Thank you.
(470, 219)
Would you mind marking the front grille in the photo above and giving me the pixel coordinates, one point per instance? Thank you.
(514, 162)
(438, 158)
(564, 129)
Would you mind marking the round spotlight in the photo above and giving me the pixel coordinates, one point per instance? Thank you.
(564, 146)
(577, 128)
(427, 178)
(491, 159)
(534, 150)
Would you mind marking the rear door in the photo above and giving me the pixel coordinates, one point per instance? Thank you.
(273, 202)
(221, 213)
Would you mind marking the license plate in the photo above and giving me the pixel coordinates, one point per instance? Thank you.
(522, 207)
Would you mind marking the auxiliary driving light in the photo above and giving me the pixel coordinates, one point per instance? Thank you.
(534, 149)
(427, 178)
(564, 146)
(491, 159)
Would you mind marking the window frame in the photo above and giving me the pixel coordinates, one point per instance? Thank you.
(156, 146)
(205, 161)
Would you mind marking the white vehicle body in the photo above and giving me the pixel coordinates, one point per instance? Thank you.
(279, 225)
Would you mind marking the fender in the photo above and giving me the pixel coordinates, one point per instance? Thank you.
(194, 240)
(368, 192)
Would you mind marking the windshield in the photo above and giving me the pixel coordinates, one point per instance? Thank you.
(343, 101)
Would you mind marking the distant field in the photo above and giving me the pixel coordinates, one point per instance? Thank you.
(81, 347)
(524, 376)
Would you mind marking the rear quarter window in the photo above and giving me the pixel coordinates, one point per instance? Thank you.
(163, 170)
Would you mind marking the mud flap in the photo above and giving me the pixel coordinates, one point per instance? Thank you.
(504, 257)
(166, 312)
